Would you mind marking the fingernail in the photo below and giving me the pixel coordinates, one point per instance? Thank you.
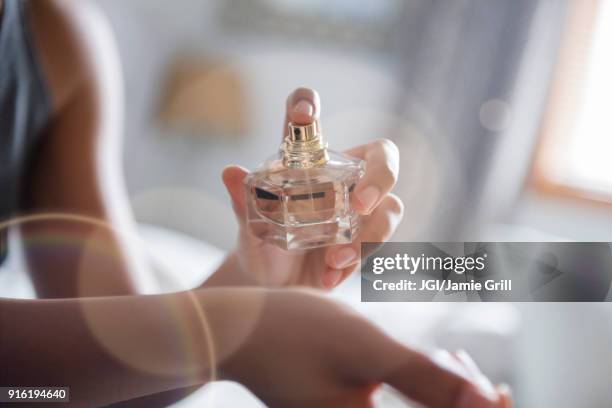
(304, 107)
(344, 257)
(472, 398)
(331, 278)
(470, 364)
(476, 374)
(368, 197)
(504, 389)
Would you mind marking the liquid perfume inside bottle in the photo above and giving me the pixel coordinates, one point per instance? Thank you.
(300, 198)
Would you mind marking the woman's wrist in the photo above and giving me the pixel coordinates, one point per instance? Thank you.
(245, 308)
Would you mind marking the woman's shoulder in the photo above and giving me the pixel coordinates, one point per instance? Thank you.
(74, 44)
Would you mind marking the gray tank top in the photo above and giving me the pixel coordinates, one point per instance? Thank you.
(24, 108)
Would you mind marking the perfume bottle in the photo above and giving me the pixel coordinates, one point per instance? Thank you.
(300, 197)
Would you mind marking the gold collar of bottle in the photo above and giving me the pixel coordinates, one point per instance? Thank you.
(303, 147)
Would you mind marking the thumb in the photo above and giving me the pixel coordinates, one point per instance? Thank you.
(233, 178)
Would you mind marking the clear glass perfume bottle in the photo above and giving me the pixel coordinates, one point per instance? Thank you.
(300, 198)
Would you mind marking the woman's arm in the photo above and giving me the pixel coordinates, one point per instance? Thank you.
(77, 167)
(291, 348)
(105, 349)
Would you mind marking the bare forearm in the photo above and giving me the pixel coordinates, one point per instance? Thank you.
(107, 349)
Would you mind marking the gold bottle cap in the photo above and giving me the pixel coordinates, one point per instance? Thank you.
(303, 147)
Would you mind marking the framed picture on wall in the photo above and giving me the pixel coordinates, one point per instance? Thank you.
(360, 23)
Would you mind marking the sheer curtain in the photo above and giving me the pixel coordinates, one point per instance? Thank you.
(475, 74)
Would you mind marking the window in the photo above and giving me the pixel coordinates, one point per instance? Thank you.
(574, 158)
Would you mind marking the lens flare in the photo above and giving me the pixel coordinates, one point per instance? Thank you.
(63, 239)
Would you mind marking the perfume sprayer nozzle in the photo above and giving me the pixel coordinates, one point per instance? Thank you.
(303, 133)
(303, 147)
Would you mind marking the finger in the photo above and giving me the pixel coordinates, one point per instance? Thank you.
(233, 178)
(435, 383)
(376, 227)
(382, 168)
(303, 107)
(505, 394)
(475, 374)
(427, 379)
(333, 277)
